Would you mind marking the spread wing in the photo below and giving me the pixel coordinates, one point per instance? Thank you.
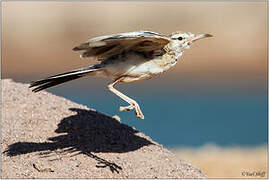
(104, 47)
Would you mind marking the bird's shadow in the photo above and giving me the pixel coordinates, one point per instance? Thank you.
(86, 132)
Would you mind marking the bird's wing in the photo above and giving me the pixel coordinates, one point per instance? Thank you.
(104, 47)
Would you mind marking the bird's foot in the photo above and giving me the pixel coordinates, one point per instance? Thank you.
(138, 111)
(127, 108)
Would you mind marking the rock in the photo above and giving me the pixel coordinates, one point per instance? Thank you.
(40, 167)
(74, 141)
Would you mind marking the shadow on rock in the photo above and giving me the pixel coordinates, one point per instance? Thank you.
(86, 132)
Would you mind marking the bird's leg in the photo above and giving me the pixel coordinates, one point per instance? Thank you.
(133, 103)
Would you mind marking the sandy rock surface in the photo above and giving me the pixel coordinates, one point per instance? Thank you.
(46, 136)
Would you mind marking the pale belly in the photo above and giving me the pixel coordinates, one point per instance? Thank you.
(136, 68)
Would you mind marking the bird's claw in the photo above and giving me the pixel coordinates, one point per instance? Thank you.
(138, 111)
(139, 114)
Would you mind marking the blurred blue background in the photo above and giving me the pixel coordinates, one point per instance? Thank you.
(174, 117)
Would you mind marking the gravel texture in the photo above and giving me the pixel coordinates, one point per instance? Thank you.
(46, 136)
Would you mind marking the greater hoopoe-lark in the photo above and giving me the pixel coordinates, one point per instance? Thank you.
(127, 57)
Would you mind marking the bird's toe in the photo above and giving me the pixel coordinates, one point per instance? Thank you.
(126, 108)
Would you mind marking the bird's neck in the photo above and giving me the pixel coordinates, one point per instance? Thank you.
(173, 52)
(173, 49)
(169, 59)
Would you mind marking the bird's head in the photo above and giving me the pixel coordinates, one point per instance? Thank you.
(183, 40)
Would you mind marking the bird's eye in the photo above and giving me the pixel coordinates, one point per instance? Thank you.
(180, 38)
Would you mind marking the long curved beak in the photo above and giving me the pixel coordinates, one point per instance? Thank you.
(201, 36)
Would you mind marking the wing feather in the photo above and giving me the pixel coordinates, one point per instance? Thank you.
(104, 47)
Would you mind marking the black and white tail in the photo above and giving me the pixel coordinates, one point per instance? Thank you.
(61, 78)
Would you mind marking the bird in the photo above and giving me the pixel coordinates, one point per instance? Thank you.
(127, 57)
